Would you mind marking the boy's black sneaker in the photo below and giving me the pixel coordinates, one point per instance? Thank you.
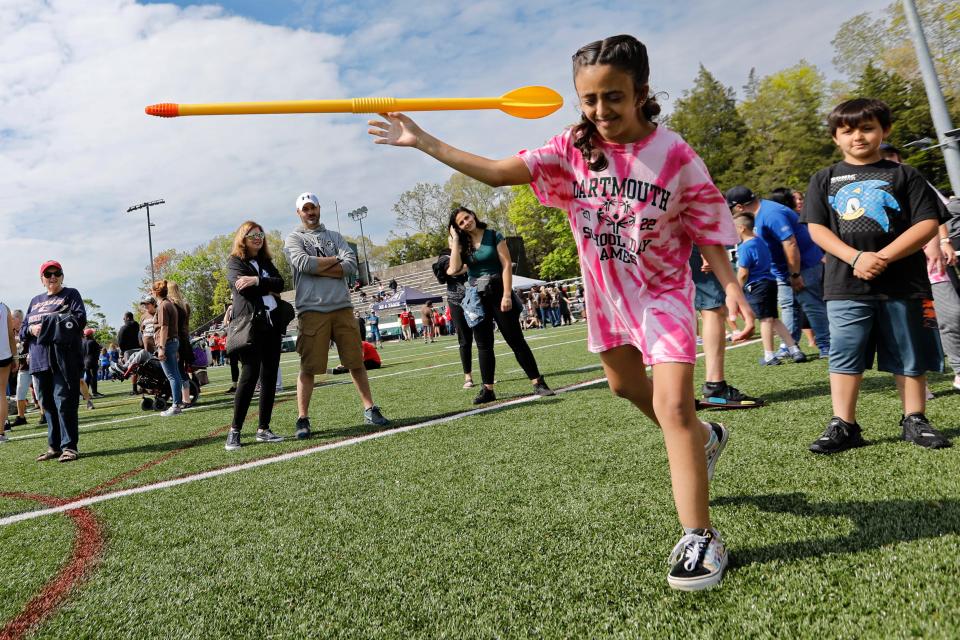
(839, 436)
(917, 429)
(18, 421)
(720, 395)
(485, 395)
(303, 428)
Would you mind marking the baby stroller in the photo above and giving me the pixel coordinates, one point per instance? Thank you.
(151, 380)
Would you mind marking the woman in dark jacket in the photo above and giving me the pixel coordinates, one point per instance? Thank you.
(91, 361)
(455, 292)
(253, 281)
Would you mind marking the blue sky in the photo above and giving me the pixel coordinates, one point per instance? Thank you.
(76, 149)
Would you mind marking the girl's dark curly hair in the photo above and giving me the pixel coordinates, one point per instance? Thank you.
(466, 244)
(629, 55)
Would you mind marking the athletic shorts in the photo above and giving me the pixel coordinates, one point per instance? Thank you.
(23, 385)
(892, 329)
(709, 294)
(317, 329)
(6, 362)
(762, 296)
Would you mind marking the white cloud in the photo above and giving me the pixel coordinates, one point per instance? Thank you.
(76, 148)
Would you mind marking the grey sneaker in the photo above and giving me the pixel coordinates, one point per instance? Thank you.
(303, 428)
(233, 440)
(373, 416)
(3, 438)
(174, 410)
(697, 561)
(541, 388)
(715, 448)
(265, 435)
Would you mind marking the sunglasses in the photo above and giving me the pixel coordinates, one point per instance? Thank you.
(256, 235)
(53, 274)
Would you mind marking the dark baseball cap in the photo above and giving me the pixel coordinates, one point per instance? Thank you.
(739, 195)
(889, 148)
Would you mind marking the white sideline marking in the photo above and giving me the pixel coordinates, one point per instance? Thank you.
(292, 455)
(327, 383)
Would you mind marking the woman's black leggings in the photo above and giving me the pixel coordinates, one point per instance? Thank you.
(464, 337)
(260, 362)
(234, 369)
(509, 324)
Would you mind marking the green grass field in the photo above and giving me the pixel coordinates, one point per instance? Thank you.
(551, 518)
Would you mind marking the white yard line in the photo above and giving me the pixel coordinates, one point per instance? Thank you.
(166, 484)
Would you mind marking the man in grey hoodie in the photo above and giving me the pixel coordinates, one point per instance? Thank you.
(321, 260)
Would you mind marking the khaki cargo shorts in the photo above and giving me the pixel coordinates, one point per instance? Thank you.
(317, 329)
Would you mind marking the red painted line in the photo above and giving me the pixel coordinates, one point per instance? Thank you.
(87, 546)
(126, 475)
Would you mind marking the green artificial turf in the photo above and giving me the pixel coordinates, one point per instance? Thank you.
(547, 519)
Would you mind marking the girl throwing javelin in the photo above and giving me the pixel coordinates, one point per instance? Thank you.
(637, 197)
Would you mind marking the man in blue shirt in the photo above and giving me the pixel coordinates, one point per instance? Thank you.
(797, 262)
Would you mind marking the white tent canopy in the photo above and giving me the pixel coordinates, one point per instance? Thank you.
(522, 284)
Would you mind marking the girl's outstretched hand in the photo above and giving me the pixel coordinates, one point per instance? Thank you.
(399, 130)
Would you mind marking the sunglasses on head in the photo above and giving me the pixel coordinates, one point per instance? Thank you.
(52, 274)
(256, 235)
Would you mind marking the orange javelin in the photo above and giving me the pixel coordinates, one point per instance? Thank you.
(526, 102)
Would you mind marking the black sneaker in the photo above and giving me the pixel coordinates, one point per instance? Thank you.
(303, 428)
(839, 436)
(43, 419)
(541, 388)
(233, 440)
(18, 421)
(265, 435)
(373, 416)
(232, 389)
(799, 357)
(697, 561)
(485, 395)
(917, 429)
(720, 395)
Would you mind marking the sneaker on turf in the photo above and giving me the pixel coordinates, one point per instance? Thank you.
(265, 435)
(782, 352)
(715, 448)
(772, 361)
(824, 354)
(917, 429)
(303, 428)
(3, 438)
(724, 395)
(838, 436)
(956, 382)
(697, 561)
(174, 410)
(484, 395)
(799, 356)
(233, 440)
(373, 416)
(90, 404)
(232, 389)
(541, 389)
(19, 420)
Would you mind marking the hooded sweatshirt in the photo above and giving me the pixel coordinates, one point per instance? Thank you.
(319, 293)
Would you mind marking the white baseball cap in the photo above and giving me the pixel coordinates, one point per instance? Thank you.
(304, 198)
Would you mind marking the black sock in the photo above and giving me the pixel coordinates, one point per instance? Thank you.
(715, 385)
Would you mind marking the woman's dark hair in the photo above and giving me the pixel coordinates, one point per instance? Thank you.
(466, 244)
(629, 55)
(784, 196)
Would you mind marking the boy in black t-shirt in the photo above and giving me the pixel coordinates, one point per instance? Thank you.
(872, 216)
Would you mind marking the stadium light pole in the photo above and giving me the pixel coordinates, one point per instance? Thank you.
(358, 215)
(938, 107)
(147, 205)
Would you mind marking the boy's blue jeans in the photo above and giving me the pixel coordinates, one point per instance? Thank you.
(810, 299)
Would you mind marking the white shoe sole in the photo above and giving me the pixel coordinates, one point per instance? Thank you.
(703, 582)
(712, 464)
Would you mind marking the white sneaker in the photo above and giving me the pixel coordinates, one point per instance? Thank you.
(956, 382)
(174, 410)
(713, 451)
(697, 561)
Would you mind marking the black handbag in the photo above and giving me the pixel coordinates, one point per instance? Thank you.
(284, 314)
(241, 331)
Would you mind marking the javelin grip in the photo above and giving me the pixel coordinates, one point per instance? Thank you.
(164, 110)
(373, 105)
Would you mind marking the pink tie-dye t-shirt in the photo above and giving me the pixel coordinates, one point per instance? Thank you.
(635, 223)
